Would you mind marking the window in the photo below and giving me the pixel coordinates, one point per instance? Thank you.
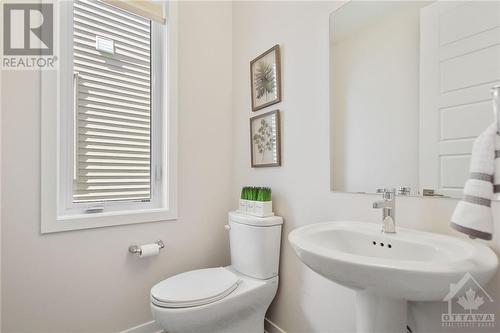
(116, 115)
(112, 82)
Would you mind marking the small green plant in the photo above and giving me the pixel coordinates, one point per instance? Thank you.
(264, 194)
(256, 193)
(245, 193)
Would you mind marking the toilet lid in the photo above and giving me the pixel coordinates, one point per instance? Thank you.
(194, 288)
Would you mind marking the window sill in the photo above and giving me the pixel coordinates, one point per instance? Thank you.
(107, 219)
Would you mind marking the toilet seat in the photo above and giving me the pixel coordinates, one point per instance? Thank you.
(194, 288)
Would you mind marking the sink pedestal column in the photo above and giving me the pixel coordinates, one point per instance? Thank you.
(376, 313)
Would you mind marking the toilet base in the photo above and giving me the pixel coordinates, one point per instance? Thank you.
(244, 323)
(242, 311)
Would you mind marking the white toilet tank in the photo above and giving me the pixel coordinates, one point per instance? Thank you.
(255, 244)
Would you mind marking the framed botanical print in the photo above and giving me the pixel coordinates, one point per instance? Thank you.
(265, 140)
(265, 77)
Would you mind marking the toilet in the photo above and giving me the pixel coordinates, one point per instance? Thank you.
(232, 299)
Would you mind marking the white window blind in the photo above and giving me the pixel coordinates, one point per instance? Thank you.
(112, 116)
(150, 9)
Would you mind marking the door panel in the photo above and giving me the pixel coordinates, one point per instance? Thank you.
(459, 63)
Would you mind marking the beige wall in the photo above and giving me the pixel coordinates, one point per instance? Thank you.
(85, 281)
(307, 302)
(0, 204)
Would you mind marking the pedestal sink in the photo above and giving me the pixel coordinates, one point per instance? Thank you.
(387, 270)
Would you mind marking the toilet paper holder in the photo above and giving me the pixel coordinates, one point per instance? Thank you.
(137, 250)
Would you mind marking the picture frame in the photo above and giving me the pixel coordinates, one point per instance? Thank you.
(265, 79)
(265, 140)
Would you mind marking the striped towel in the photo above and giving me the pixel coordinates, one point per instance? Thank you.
(473, 215)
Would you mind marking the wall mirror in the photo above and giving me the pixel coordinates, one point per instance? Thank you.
(410, 90)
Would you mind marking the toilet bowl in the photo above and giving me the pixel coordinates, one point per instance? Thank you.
(232, 299)
(241, 310)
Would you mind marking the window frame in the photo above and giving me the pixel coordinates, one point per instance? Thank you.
(59, 213)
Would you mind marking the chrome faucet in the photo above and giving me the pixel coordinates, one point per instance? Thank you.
(388, 205)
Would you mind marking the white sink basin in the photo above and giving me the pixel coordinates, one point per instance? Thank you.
(389, 269)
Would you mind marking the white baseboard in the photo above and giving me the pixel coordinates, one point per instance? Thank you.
(271, 327)
(152, 327)
(149, 327)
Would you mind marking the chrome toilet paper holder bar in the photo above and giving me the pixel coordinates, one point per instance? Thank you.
(136, 249)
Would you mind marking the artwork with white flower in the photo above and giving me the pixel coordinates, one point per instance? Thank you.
(265, 139)
(265, 74)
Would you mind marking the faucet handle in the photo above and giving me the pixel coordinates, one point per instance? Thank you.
(386, 190)
(387, 194)
(404, 190)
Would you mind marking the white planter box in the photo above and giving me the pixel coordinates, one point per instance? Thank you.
(243, 206)
(263, 208)
(256, 208)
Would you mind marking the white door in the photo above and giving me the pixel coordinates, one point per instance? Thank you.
(459, 63)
